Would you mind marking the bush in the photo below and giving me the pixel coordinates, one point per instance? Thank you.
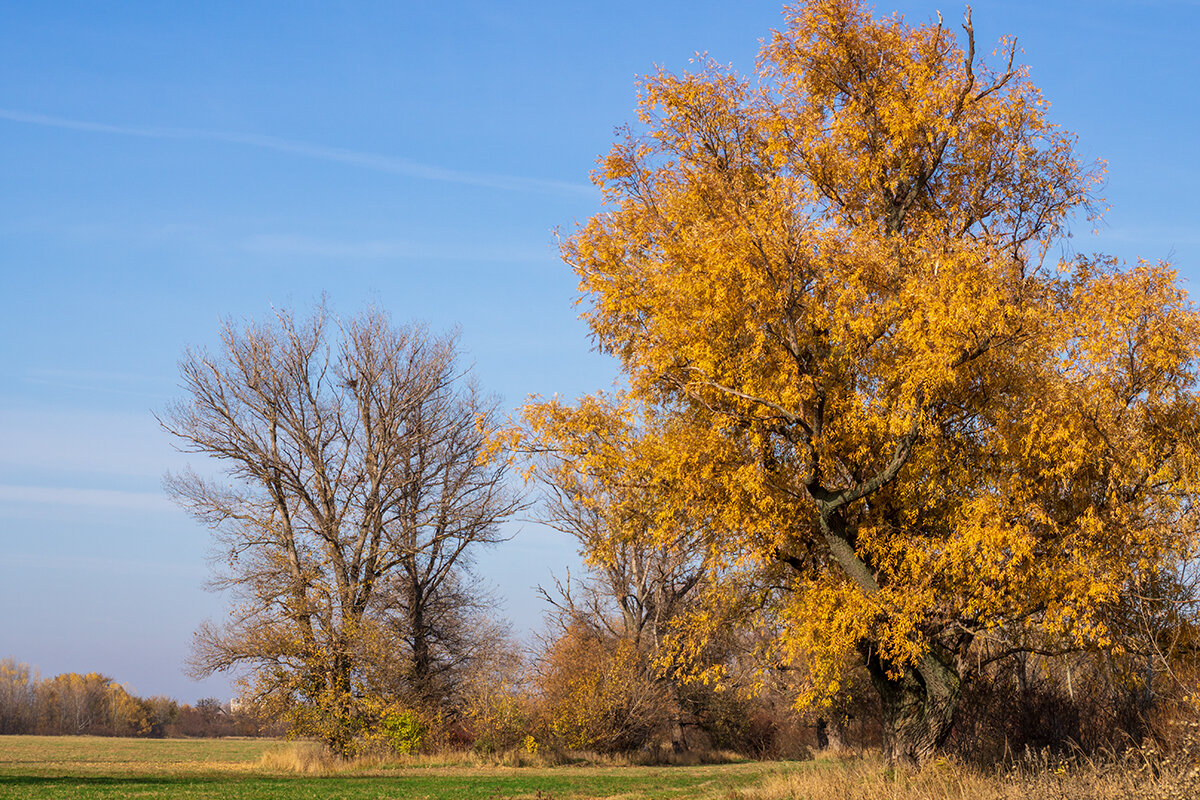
(403, 731)
(601, 695)
(497, 710)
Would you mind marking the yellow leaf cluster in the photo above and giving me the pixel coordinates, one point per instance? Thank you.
(828, 289)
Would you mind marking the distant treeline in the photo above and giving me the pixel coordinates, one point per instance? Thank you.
(96, 705)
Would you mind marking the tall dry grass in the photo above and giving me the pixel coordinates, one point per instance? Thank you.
(1143, 773)
(312, 758)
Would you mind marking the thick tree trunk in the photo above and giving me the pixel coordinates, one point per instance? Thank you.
(829, 735)
(918, 708)
(918, 702)
(678, 740)
(339, 729)
(421, 664)
(420, 674)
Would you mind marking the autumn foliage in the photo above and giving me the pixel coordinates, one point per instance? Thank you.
(832, 284)
(92, 704)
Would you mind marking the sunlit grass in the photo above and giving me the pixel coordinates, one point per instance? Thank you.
(92, 767)
(83, 768)
(103, 755)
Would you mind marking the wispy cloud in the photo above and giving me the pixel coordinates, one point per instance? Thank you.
(374, 161)
(93, 498)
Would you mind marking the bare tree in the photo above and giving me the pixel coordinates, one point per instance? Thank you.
(357, 478)
(18, 695)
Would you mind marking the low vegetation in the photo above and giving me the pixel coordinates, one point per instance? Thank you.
(92, 767)
(1137, 774)
(86, 767)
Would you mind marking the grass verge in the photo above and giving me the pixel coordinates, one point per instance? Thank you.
(1135, 775)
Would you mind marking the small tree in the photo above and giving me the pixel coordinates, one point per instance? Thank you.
(357, 492)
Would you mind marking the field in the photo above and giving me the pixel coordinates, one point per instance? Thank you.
(88, 767)
(92, 767)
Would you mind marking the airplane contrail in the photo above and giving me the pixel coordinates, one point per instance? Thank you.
(374, 161)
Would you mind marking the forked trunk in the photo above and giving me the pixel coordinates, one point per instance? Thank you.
(918, 708)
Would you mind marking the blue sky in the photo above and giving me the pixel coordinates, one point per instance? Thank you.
(167, 165)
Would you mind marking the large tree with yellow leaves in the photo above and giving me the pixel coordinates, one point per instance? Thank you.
(834, 278)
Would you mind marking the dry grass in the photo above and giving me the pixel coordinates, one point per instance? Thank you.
(868, 778)
(311, 758)
(1138, 774)
(101, 755)
(306, 758)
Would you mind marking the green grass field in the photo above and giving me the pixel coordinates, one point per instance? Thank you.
(49, 767)
(93, 767)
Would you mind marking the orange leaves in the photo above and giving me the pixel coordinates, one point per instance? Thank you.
(663, 480)
(824, 623)
(1135, 331)
(845, 353)
(600, 695)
